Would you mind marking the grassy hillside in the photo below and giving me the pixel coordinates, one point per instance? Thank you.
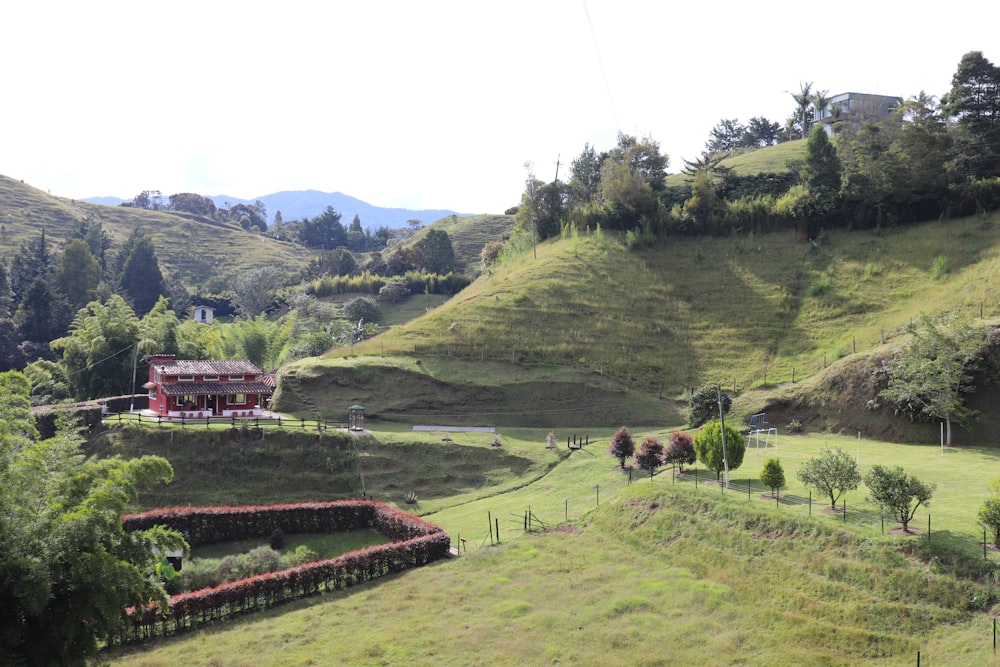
(468, 236)
(743, 312)
(198, 250)
(767, 159)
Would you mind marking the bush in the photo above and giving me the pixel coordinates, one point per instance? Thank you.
(277, 540)
(393, 291)
(361, 307)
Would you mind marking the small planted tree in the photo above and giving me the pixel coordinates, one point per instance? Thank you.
(832, 473)
(708, 446)
(898, 492)
(650, 456)
(622, 445)
(550, 440)
(680, 450)
(773, 475)
(989, 511)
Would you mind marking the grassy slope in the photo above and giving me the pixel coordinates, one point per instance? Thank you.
(196, 249)
(767, 159)
(468, 236)
(656, 574)
(730, 311)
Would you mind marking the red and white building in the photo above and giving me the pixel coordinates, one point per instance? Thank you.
(198, 389)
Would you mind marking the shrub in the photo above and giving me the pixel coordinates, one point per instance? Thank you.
(361, 307)
(709, 446)
(277, 540)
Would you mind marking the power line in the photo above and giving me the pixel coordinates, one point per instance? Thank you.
(600, 62)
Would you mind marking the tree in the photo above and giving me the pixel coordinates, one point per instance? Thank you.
(760, 132)
(704, 405)
(67, 568)
(78, 274)
(895, 490)
(680, 450)
(42, 315)
(622, 445)
(439, 256)
(708, 446)
(158, 330)
(147, 199)
(189, 202)
(974, 103)
(98, 351)
(141, 280)
(725, 136)
(490, 252)
(773, 475)
(585, 176)
(832, 473)
(650, 456)
(933, 374)
(361, 308)
(253, 291)
(324, 231)
(803, 100)
(989, 511)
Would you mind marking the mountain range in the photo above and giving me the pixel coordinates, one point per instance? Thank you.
(297, 204)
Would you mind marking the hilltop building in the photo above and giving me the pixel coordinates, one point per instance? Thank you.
(855, 108)
(199, 389)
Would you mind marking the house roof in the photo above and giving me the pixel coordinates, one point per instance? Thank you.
(192, 367)
(198, 388)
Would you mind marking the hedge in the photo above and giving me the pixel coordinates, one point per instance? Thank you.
(415, 542)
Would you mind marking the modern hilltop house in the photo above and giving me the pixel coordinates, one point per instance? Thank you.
(855, 108)
(199, 389)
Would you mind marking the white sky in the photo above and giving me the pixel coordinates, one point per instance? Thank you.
(433, 104)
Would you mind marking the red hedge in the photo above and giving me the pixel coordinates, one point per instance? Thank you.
(415, 542)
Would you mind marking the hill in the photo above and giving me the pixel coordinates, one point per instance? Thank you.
(468, 236)
(299, 204)
(767, 159)
(743, 312)
(200, 251)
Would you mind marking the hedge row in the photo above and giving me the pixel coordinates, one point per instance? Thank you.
(416, 542)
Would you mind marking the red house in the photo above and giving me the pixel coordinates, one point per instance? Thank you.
(199, 389)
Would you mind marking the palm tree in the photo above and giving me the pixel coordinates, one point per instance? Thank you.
(803, 99)
(821, 101)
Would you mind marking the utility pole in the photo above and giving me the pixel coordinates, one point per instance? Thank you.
(558, 155)
(722, 423)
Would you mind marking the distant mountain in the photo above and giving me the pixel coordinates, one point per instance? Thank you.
(297, 204)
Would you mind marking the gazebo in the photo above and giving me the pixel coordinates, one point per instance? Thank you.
(356, 418)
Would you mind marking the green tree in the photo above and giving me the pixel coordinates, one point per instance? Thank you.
(67, 569)
(650, 456)
(42, 314)
(708, 444)
(77, 274)
(974, 103)
(803, 102)
(361, 307)
(158, 329)
(585, 176)
(98, 353)
(141, 280)
(188, 202)
(704, 405)
(897, 491)
(253, 291)
(760, 132)
(932, 375)
(989, 511)
(324, 231)
(622, 445)
(725, 136)
(773, 475)
(832, 473)
(439, 255)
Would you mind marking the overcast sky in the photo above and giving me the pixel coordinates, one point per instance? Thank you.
(433, 104)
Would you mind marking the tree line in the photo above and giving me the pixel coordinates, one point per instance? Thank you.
(926, 159)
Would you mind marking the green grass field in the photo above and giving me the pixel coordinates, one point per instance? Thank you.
(657, 572)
